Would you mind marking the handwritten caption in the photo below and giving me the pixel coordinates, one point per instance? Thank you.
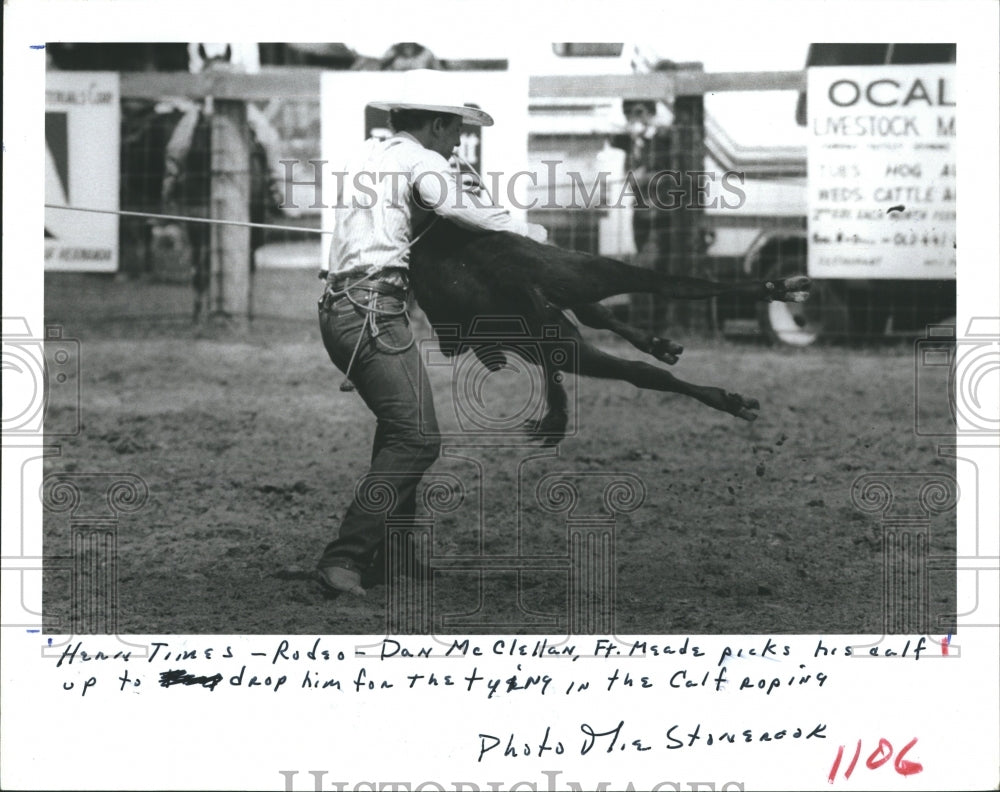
(320, 664)
(761, 670)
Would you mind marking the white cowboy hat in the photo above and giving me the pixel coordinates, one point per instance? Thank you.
(426, 89)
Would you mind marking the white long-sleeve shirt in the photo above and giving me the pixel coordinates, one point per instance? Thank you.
(386, 191)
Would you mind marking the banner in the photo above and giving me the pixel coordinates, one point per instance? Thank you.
(882, 152)
(82, 162)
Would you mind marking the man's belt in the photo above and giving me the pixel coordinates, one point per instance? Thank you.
(387, 282)
(396, 276)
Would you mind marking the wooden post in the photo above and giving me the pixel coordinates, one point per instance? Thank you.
(229, 291)
(663, 222)
(686, 256)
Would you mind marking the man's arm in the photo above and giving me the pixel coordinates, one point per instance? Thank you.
(621, 141)
(178, 147)
(270, 141)
(437, 189)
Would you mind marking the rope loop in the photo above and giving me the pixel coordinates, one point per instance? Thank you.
(372, 311)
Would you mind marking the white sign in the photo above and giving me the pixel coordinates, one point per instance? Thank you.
(82, 122)
(882, 151)
(500, 154)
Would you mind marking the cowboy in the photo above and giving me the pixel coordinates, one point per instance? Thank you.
(391, 188)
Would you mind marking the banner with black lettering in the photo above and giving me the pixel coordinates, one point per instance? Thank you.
(882, 152)
(82, 123)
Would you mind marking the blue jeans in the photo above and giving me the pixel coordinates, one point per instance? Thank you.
(390, 377)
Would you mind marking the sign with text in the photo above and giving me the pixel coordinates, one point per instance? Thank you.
(82, 123)
(882, 152)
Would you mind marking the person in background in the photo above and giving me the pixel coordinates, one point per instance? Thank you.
(236, 56)
(408, 55)
(405, 56)
(186, 188)
(646, 143)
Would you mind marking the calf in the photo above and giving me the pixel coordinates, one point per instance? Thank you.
(459, 275)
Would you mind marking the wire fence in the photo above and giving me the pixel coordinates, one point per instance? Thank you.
(167, 158)
(167, 150)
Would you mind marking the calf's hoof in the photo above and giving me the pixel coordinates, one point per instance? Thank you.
(795, 289)
(741, 407)
(665, 350)
(550, 429)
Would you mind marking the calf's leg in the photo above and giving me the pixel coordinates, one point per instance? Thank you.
(591, 362)
(599, 278)
(794, 289)
(551, 427)
(597, 316)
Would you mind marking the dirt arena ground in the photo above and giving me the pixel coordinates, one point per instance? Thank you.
(250, 454)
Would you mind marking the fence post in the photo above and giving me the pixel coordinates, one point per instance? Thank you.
(229, 291)
(686, 254)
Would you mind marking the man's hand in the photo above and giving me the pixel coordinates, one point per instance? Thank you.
(537, 233)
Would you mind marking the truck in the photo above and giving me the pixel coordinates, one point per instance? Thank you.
(770, 233)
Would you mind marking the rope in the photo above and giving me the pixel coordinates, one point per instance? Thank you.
(471, 167)
(371, 313)
(240, 223)
(186, 218)
(272, 226)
